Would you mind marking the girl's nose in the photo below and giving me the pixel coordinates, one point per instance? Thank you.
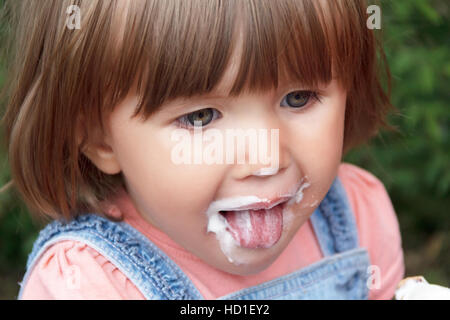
(268, 153)
(276, 152)
(242, 171)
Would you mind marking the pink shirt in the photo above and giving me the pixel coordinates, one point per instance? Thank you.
(73, 270)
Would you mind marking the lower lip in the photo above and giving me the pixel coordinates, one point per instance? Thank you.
(255, 228)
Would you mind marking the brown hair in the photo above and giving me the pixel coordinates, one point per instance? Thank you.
(66, 79)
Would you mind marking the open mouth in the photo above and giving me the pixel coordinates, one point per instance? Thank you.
(252, 221)
(257, 227)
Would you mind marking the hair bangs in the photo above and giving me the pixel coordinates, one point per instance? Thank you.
(179, 49)
(65, 81)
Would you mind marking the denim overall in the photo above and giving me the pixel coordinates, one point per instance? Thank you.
(341, 274)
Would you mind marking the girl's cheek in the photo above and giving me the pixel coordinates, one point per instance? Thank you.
(317, 145)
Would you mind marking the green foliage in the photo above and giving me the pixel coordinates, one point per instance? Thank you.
(414, 164)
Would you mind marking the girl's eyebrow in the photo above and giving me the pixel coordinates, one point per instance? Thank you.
(182, 102)
(179, 104)
(218, 95)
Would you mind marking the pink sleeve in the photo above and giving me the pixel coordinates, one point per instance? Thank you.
(72, 270)
(378, 229)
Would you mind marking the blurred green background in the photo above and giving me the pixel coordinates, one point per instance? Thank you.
(414, 163)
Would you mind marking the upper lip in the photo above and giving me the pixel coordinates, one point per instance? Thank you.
(265, 204)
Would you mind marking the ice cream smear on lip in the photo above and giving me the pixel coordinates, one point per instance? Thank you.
(236, 226)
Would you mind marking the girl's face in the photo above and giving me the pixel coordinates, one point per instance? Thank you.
(175, 197)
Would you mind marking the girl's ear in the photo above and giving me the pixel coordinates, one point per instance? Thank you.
(102, 155)
(97, 147)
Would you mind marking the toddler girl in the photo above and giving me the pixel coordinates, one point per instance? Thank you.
(101, 94)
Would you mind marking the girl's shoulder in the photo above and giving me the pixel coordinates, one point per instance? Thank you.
(366, 193)
(354, 175)
(368, 198)
(378, 227)
(72, 270)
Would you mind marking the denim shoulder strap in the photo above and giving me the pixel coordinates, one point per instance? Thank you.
(334, 222)
(141, 261)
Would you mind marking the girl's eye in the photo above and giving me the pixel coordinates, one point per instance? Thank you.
(199, 118)
(299, 99)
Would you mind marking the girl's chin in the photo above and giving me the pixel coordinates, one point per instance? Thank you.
(253, 265)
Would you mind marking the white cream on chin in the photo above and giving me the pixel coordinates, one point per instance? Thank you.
(218, 224)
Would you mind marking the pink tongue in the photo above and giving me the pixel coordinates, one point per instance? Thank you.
(256, 228)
